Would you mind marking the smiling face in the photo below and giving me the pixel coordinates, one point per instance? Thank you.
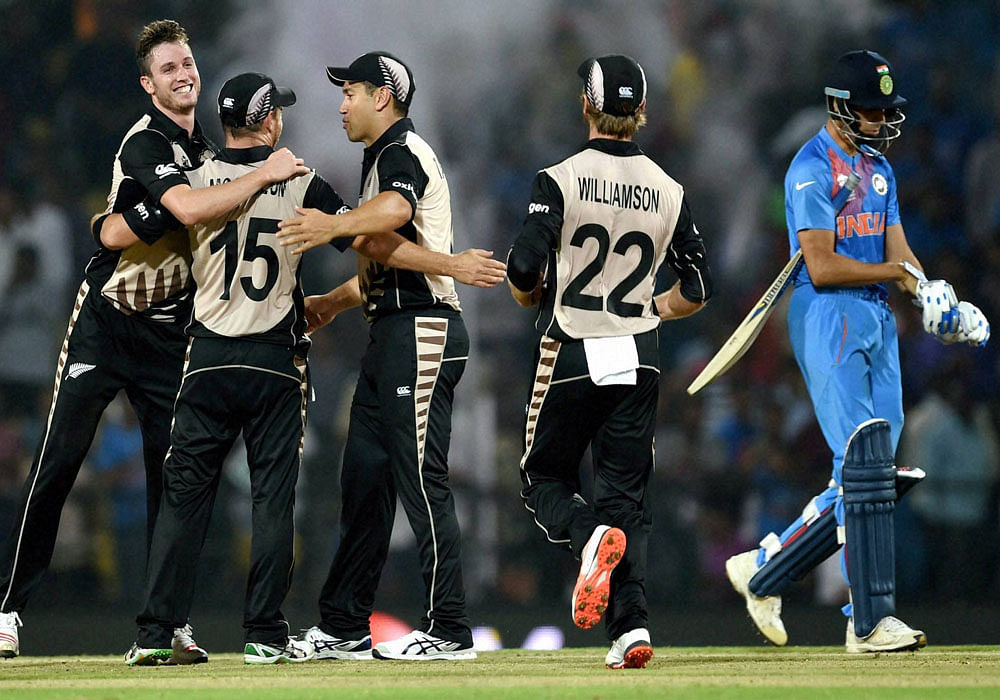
(173, 81)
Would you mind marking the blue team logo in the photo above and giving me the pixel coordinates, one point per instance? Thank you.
(879, 183)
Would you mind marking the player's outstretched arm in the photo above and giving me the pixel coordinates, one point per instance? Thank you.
(381, 215)
(474, 267)
(323, 308)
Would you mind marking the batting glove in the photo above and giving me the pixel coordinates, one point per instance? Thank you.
(975, 329)
(940, 312)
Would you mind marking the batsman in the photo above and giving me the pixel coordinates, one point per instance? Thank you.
(843, 335)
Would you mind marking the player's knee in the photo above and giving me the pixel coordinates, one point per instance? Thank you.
(869, 474)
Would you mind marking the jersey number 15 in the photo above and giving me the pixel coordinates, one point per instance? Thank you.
(228, 240)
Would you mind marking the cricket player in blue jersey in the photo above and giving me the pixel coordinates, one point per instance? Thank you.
(842, 211)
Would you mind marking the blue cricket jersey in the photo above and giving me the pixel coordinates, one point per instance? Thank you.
(817, 173)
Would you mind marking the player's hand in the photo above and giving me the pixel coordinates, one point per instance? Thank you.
(311, 228)
(477, 268)
(940, 312)
(319, 312)
(282, 165)
(974, 329)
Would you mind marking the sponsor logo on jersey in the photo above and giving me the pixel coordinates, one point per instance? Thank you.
(800, 185)
(403, 391)
(538, 208)
(618, 194)
(867, 223)
(142, 211)
(879, 183)
(164, 169)
(78, 368)
(404, 186)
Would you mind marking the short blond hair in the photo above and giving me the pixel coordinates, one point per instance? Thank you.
(610, 125)
(162, 31)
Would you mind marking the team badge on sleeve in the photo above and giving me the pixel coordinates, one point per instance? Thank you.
(879, 183)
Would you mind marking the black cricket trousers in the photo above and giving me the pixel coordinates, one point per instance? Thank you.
(105, 351)
(397, 443)
(229, 386)
(566, 413)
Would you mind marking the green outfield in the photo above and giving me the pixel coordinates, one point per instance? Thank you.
(696, 672)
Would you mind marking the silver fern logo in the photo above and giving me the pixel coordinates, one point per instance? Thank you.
(395, 75)
(595, 86)
(78, 368)
(259, 105)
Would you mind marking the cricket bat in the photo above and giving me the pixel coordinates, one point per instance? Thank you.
(746, 333)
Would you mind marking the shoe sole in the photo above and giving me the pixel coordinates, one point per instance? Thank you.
(344, 656)
(590, 595)
(864, 648)
(636, 657)
(736, 577)
(449, 656)
(180, 660)
(260, 661)
(155, 657)
(7, 654)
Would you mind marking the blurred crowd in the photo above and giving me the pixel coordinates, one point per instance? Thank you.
(735, 89)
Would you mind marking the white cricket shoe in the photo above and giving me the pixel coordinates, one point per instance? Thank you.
(890, 634)
(631, 650)
(9, 645)
(295, 651)
(329, 647)
(765, 612)
(184, 650)
(420, 646)
(602, 553)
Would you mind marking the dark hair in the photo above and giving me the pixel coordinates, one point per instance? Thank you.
(162, 31)
(398, 107)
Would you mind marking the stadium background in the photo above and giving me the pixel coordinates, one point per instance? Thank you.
(734, 89)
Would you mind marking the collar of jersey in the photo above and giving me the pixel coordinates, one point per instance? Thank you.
(614, 147)
(254, 154)
(165, 125)
(829, 141)
(389, 135)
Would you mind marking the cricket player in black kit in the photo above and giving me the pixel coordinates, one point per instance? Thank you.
(245, 372)
(599, 226)
(125, 331)
(401, 413)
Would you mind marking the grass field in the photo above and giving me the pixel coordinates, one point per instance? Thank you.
(695, 672)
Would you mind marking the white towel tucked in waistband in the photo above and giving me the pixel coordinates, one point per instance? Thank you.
(612, 360)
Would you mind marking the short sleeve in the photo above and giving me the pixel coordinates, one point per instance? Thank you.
(400, 171)
(148, 158)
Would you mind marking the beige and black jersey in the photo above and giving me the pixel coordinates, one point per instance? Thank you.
(247, 285)
(401, 161)
(150, 278)
(599, 225)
